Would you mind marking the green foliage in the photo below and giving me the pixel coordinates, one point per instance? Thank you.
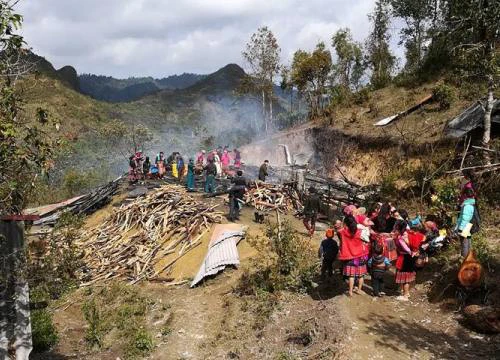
(379, 57)
(287, 262)
(142, 344)
(96, 328)
(481, 247)
(53, 264)
(416, 15)
(445, 95)
(362, 96)
(43, 331)
(77, 182)
(25, 148)
(117, 313)
(309, 74)
(350, 65)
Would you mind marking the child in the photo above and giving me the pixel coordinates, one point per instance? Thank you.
(328, 251)
(378, 265)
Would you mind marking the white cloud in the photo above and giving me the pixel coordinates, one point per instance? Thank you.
(162, 37)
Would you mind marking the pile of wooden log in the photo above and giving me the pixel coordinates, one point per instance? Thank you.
(264, 197)
(136, 236)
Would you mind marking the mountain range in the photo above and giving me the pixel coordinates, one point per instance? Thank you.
(180, 113)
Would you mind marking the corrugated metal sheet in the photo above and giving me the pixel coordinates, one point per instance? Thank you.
(222, 251)
(470, 119)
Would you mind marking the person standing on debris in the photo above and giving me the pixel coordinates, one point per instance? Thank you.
(236, 194)
(263, 171)
(180, 167)
(210, 173)
(311, 210)
(468, 221)
(328, 252)
(200, 160)
(237, 158)
(225, 161)
(353, 253)
(146, 167)
(217, 163)
(190, 175)
(160, 164)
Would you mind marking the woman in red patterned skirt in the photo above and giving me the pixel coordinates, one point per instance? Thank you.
(353, 253)
(405, 264)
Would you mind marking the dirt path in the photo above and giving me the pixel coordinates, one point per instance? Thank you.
(384, 328)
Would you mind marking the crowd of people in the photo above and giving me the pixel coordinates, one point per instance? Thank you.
(371, 242)
(215, 163)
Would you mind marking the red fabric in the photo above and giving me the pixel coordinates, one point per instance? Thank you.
(415, 239)
(405, 277)
(360, 219)
(351, 246)
(400, 261)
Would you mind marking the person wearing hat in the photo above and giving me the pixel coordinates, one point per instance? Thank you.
(311, 210)
(327, 252)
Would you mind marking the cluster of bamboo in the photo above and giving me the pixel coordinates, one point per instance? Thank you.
(136, 236)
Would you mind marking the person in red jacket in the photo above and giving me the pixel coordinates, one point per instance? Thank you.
(353, 253)
(407, 243)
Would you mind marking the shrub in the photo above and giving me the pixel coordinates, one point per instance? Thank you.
(55, 272)
(362, 96)
(444, 95)
(43, 331)
(141, 345)
(95, 331)
(287, 262)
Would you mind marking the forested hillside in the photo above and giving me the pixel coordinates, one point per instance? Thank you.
(107, 88)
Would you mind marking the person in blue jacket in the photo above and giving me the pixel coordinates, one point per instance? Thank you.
(466, 215)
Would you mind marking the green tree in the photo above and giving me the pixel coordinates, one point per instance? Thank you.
(416, 15)
(350, 65)
(262, 53)
(474, 32)
(25, 146)
(379, 57)
(310, 73)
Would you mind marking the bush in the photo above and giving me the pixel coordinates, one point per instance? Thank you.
(362, 96)
(287, 262)
(53, 264)
(95, 330)
(43, 331)
(444, 95)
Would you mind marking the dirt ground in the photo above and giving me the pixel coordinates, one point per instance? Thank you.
(212, 322)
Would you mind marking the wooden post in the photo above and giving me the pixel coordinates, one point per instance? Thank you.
(15, 323)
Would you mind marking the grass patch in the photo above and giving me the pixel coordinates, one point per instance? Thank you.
(44, 333)
(116, 316)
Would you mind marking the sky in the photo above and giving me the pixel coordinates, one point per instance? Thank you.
(124, 38)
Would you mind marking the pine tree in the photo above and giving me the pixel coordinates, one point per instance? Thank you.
(379, 57)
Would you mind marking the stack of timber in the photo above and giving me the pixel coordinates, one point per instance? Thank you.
(265, 197)
(130, 243)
